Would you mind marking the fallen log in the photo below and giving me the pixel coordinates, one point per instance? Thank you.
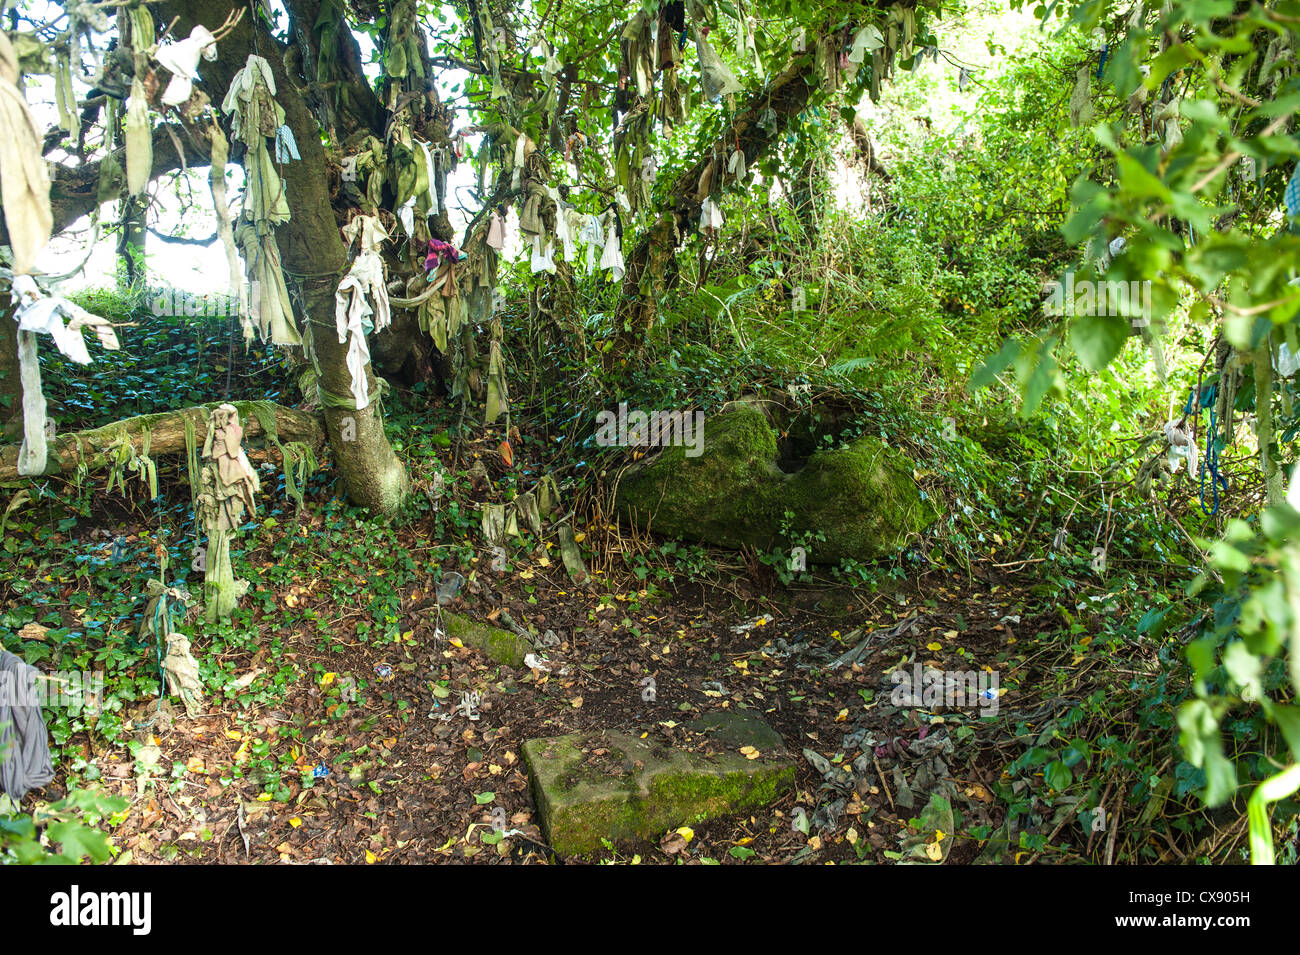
(93, 447)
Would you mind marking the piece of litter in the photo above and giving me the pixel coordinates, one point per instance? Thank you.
(751, 624)
(383, 671)
(320, 772)
(533, 661)
(449, 587)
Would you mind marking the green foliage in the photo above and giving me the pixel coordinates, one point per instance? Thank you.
(72, 824)
(1244, 680)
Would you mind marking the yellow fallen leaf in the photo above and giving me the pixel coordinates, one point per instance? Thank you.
(371, 858)
(686, 832)
(194, 764)
(841, 716)
(295, 822)
(526, 574)
(264, 797)
(576, 702)
(743, 842)
(951, 634)
(935, 647)
(579, 538)
(327, 678)
(933, 851)
(455, 642)
(234, 734)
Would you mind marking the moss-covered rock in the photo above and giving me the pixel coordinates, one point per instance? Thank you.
(498, 645)
(615, 786)
(861, 498)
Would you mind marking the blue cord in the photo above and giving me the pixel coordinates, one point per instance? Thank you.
(1211, 460)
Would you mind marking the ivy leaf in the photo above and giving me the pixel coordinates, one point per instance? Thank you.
(79, 841)
(1058, 776)
(1097, 339)
(994, 366)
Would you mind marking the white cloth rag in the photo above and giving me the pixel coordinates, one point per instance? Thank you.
(41, 313)
(182, 59)
(354, 315)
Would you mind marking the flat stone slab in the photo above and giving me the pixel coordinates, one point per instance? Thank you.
(615, 786)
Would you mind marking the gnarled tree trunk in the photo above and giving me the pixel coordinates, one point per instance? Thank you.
(311, 247)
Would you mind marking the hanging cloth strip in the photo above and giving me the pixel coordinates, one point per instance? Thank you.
(736, 166)
(715, 76)
(746, 47)
(496, 233)
(24, 181)
(1081, 111)
(612, 255)
(257, 117)
(710, 217)
(38, 314)
(440, 252)
(1182, 446)
(406, 217)
(45, 314)
(591, 233)
(182, 60)
(286, 147)
(433, 199)
(564, 229)
(542, 260)
(354, 313)
(866, 40)
(269, 308)
(228, 486)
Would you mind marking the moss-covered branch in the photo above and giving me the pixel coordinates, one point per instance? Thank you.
(93, 447)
